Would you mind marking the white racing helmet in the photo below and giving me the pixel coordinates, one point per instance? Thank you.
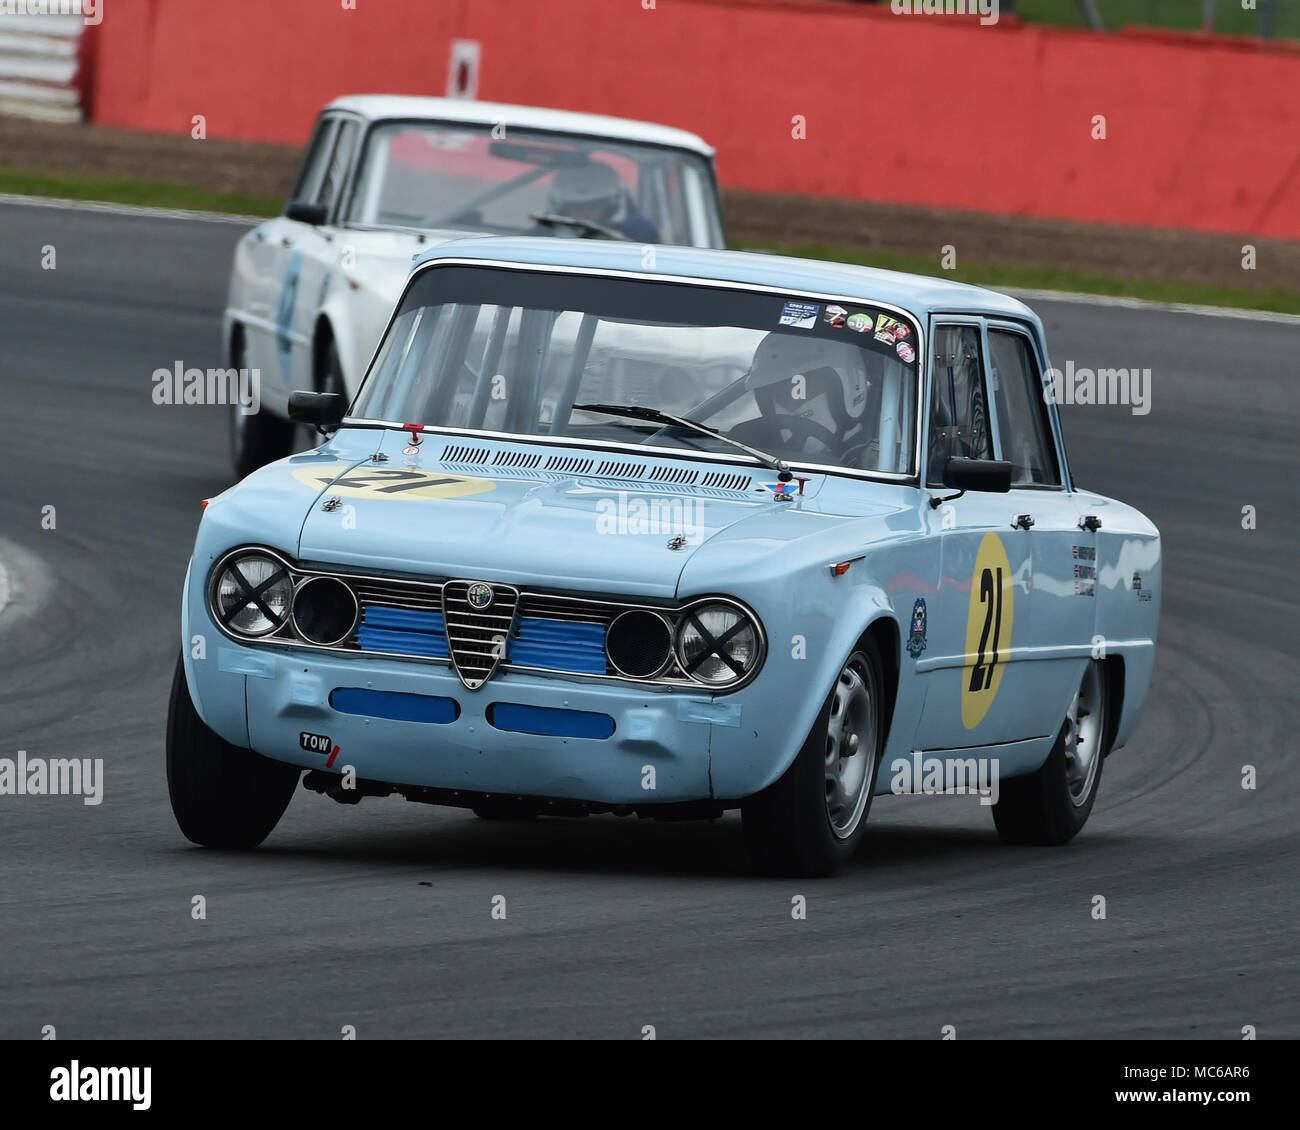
(788, 368)
(589, 190)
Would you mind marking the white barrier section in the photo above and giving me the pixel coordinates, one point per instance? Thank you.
(38, 64)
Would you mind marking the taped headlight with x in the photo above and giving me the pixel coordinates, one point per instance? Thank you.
(717, 644)
(253, 595)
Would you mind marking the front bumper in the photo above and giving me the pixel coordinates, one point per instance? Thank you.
(662, 747)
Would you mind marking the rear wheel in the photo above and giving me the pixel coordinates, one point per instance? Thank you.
(810, 821)
(1049, 807)
(222, 796)
(258, 439)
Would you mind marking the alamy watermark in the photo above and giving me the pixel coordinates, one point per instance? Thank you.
(76, 1083)
(930, 776)
(987, 10)
(658, 515)
(179, 385)
(91, 11)
(1099, 386)
(60, 776)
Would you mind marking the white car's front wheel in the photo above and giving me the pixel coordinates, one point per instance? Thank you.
(259, 438)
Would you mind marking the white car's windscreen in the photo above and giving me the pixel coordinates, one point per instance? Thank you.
(435, 176)
(506, 351)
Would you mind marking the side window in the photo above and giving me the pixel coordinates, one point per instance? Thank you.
(959, 422)
(336, 172)
(312, 172)
(1023, 429)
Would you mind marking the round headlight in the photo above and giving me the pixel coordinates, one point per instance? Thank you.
(717, 643)
(324, 611)
(639, 643)
(253, 594)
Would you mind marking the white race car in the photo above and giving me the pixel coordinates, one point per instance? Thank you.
(384, 178)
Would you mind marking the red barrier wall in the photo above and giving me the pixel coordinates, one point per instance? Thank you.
(1201, 133)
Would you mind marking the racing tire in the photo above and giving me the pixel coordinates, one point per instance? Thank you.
(258, 439)
(331, 374)
(1050, 806)
(809, 822)
(222, 796)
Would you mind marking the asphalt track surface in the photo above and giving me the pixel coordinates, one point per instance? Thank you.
(378, 916)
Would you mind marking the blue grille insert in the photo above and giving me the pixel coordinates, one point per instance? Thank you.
(559, 645)
(402, 630)
(555, 645)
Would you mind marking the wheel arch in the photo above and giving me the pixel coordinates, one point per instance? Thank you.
(236, 335)
(322, 334)
(883, 631)
(1113, 668)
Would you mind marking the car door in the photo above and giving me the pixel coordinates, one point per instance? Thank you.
(981, 640)
(1063, 548)
(315, 253)
(275, 265)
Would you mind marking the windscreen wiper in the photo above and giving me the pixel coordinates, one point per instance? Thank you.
(637, 412)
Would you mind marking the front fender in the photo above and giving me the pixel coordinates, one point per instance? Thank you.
(357, 319)
(774, 714)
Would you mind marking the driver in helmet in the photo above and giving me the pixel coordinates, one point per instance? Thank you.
(592, 191)
(811, 395)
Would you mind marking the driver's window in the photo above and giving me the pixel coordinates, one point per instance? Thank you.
(1024, 431)
(339, 163)
(959, 419)
(315, 163)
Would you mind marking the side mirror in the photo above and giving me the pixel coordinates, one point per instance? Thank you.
(991, 476)
(320, 410)
(307, 213)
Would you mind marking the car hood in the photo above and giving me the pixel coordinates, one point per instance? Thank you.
(422, 516)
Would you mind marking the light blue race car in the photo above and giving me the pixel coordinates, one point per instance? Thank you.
(666, 532)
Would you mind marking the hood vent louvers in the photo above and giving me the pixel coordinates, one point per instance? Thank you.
(727, 480)
(570, 464)
(521, 459)
(678, 476)
(619, 469)
(463, 454)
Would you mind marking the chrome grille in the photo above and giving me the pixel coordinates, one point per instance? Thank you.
(435, 622)
(478, 637)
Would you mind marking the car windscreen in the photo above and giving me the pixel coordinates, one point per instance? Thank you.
(466, 177)
(513, 351)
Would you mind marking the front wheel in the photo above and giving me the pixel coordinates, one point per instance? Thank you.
(259, 438)
(1050, 807)
(809, 822)
(222, 796)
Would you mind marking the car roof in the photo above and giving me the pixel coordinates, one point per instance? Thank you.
(379, 106)
(920, 294)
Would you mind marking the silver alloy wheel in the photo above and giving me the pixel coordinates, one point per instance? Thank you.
(1083, 734)
(851, 741)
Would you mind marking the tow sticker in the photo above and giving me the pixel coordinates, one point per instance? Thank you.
(988, 630)
(391, 482)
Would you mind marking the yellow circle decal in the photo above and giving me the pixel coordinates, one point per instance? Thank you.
(988, 630)
(368, 481)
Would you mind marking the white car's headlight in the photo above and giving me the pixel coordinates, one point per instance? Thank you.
(718, 644)
(252, 594)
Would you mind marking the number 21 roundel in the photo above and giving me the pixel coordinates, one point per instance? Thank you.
(988, 630)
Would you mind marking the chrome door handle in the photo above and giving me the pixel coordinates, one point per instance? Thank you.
(1022, 522)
